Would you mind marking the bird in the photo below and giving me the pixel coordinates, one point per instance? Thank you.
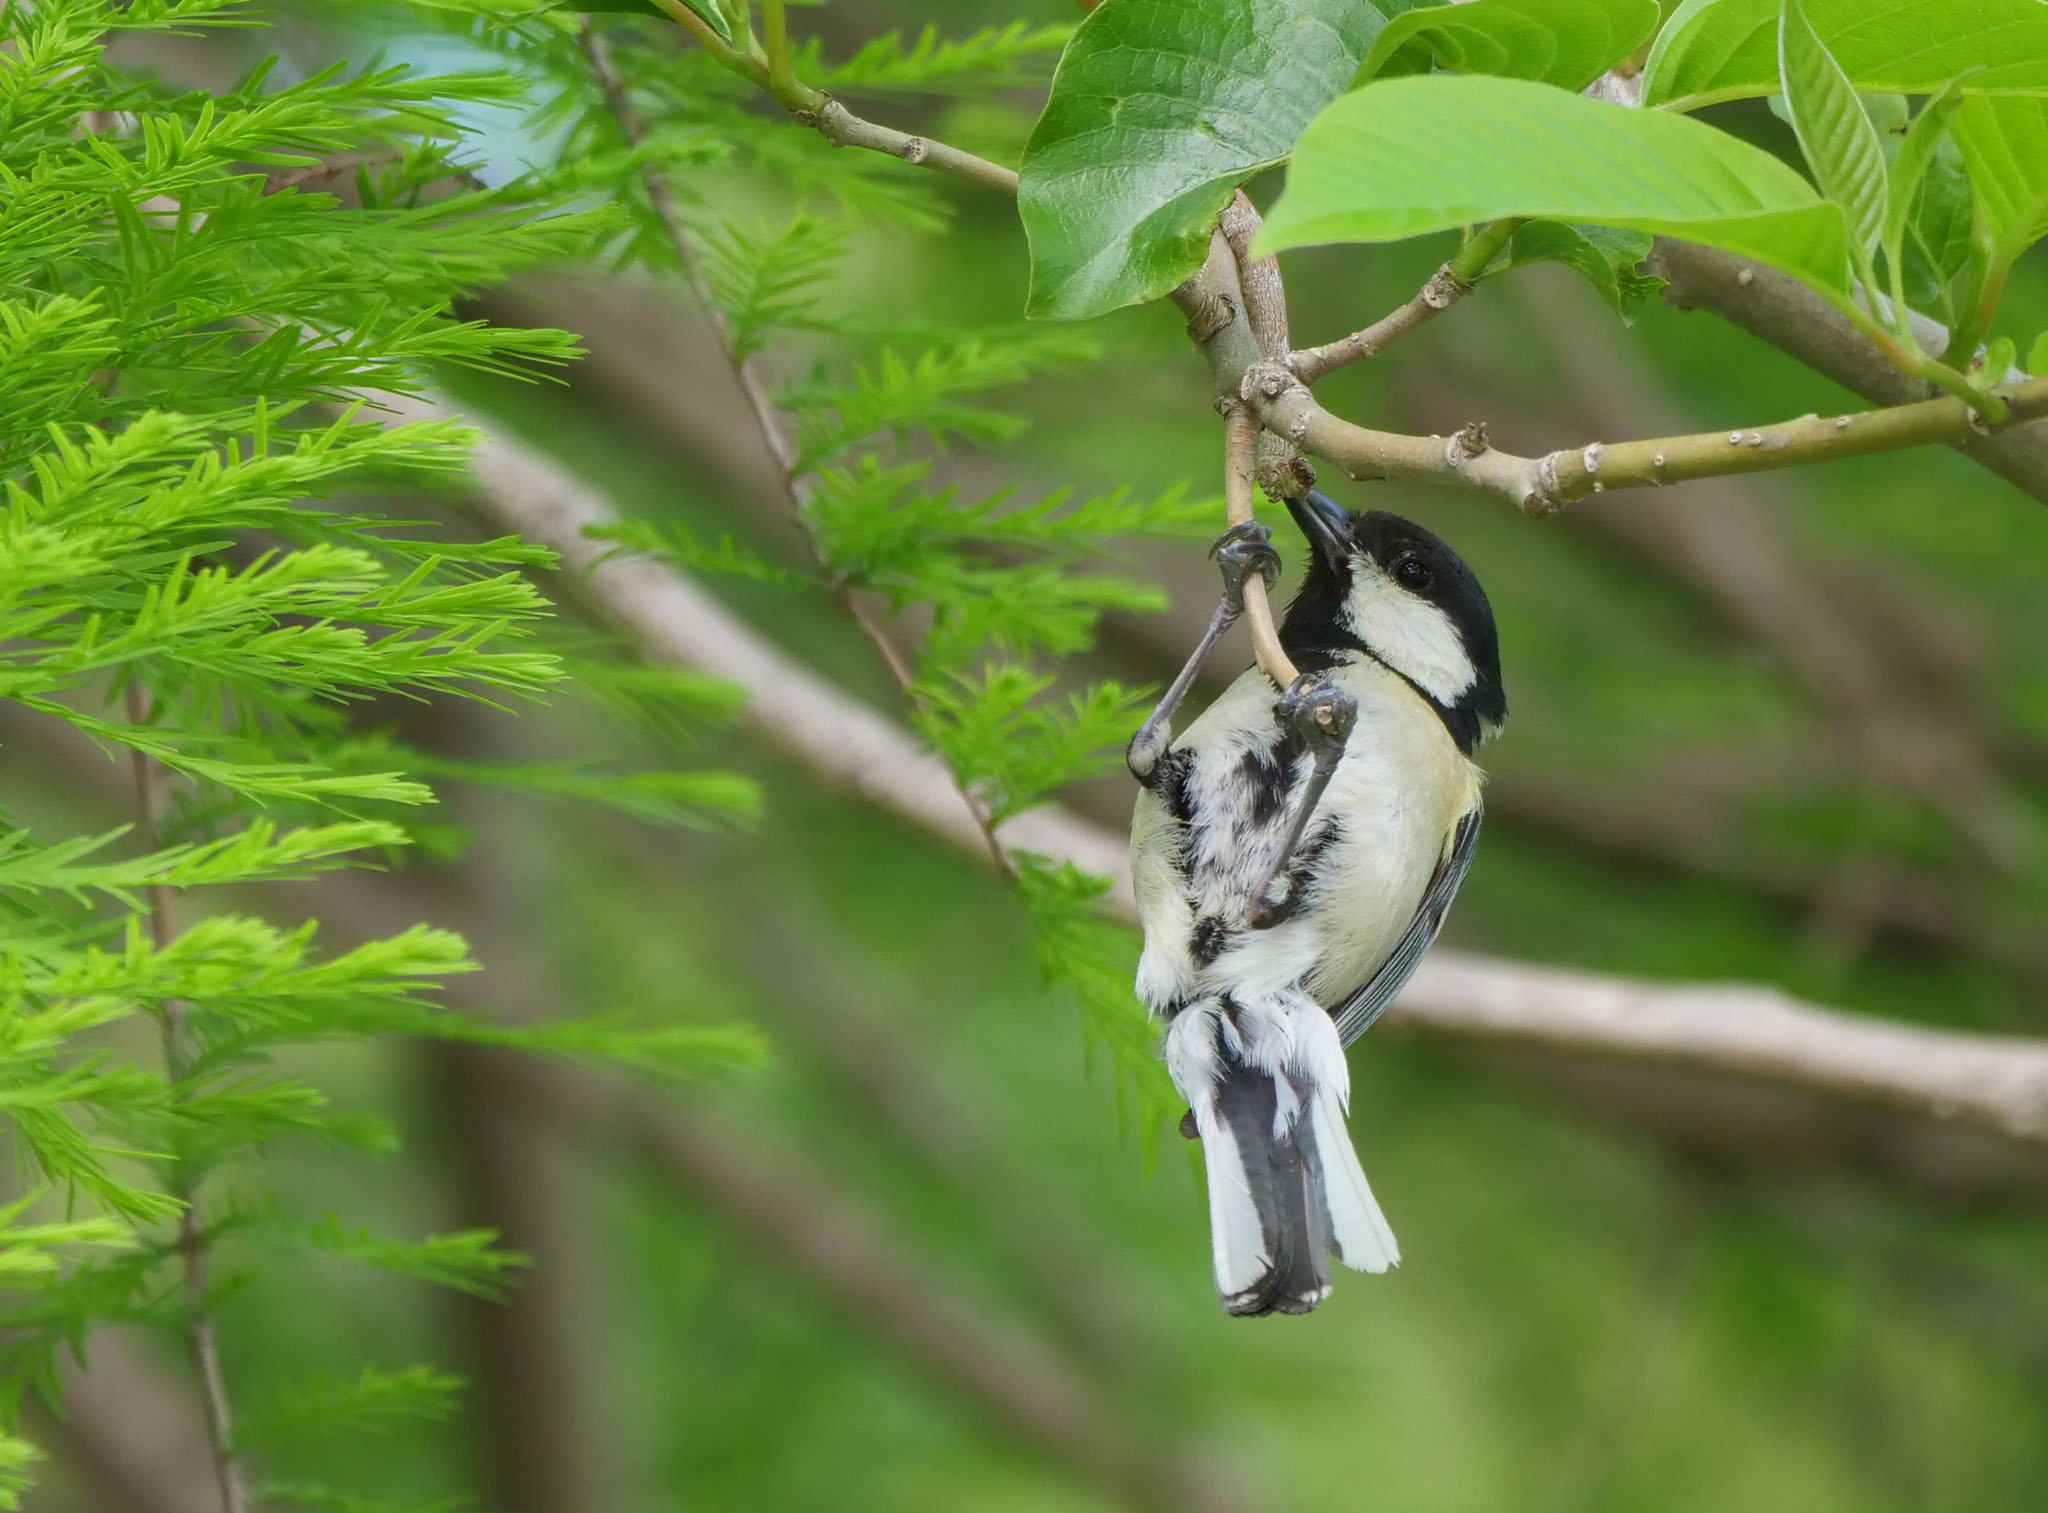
(1295, 852)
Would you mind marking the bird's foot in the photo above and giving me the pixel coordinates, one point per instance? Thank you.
(1321, 715)
(1318, 711)
(1241, 551)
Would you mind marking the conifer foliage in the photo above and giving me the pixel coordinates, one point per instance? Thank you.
(198, 294)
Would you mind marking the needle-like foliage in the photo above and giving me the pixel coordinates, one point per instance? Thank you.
(874, 413)
(201, 297)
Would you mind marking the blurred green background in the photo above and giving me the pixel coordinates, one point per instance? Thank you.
(1792, 729)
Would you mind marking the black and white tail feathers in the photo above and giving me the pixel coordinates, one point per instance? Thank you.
(1285, 1188)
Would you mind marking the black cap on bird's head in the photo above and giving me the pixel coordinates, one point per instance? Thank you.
(1386, 587)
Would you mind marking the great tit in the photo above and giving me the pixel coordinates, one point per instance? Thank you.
(1295, 853)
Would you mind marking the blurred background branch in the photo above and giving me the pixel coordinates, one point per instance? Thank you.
(2001, 1085)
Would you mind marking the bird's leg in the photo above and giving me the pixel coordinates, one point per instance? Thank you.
(1239, 551)
(1322, 714)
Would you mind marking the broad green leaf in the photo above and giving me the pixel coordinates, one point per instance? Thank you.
(1525, 149)
(1909, 168)
(2037, 356)
(1938, 233)
(1564, 42)
(1728, 49)
(2004, 142)
(1159, 110)
(1840, 144)
(1606, 258)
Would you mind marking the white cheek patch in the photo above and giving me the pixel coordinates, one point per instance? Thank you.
(1408, 633)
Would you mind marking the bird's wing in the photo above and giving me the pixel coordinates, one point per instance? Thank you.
(1355, 1015)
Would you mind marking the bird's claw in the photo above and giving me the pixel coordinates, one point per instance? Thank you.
(1241, 551)
(1317, 710)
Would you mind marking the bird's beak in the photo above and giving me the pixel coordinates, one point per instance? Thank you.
(1325, 524)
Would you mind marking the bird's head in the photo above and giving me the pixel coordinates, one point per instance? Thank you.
(1385, 586)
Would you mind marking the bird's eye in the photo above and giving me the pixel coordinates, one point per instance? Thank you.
(1412, 573)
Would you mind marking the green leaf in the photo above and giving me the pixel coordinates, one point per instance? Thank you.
(1909, 169)
(1564, 42)
(706, 11)
(1939, 233)
(2004, 142)
(1727, 49)
(1605, 257)
(1999, 356)
(1158, 111)
(1526, 149)
(1840, 144)
(2037, 356)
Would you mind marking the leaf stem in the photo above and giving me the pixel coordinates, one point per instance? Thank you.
(775, 36)
(1962, 346)
(1910, 360)
(1480, 249)
(744, 61)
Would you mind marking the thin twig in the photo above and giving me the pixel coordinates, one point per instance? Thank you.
(797, 486)
(201, 1337)
(1265, 296)
(1252, 453)
(1542, 485)
(842, 128)
(770, 71)
(1449, 284)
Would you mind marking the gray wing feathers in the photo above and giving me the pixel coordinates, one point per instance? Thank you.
(1355, 1015)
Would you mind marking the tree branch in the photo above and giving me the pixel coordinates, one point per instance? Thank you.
(1725, 537)
(201, 1338)
(1780, 310)
(1992, 1082)
(1797, 321)
(1449, 284)
(1543, 485)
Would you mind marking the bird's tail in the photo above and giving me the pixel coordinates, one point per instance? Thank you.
(1285, 1190)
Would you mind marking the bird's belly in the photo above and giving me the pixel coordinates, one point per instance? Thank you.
(1366, 858)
